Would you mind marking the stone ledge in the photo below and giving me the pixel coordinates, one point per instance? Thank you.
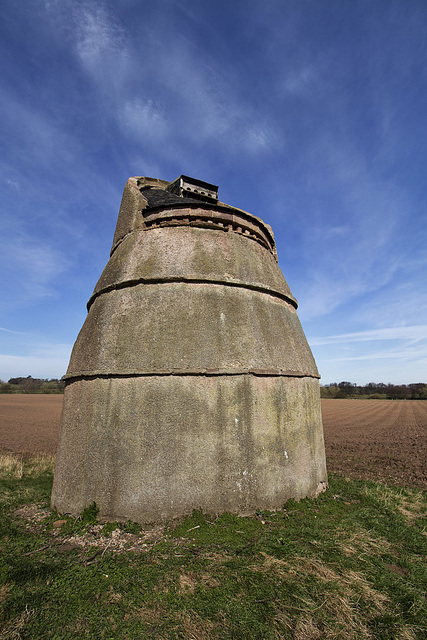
(188, 280)
(271, 373)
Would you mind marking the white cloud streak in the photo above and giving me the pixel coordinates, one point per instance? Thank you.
(179, 93)
(380, 356)
(31, 270)
(143, 119)
(355, 248)
(17, 333)
(97, 33)
(37, 366)
(34, 355)
(418, 332)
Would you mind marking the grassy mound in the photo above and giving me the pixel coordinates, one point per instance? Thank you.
(350, 564)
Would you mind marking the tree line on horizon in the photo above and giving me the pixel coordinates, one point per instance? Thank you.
(375, 391)
(32, 385)
(372, 390)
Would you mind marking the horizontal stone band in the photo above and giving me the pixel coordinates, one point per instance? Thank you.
(229, 218)
(179, 280)
(272, 373)
(210, 223)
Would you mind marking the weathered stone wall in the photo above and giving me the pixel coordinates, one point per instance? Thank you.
(191, 384)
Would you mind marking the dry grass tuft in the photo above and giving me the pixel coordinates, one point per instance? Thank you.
(363, 544)
(18, 465)
(411, 503)
(195, 627)
(217, 558)
(113, 596)
(187, 582)
(12, 631)
(4, 592)
(209, 581)
(306, 630)
(282, 619)
(12, 465)
(405, 634)
(341, 604)
(279, 567)
(153, 614)
(413, 506)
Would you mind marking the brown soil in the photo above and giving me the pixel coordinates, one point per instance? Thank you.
(377, 439)
(372, 439)
(29, 423)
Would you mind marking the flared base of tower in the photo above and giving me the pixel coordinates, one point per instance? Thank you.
(153, 448)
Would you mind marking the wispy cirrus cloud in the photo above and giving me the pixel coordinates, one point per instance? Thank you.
(403, 354)
(30, 352)
(355, 242)
(179, 94)
(392, 356)
(413, 333)
(17, 333)
(37, 134)
(31, 270)
(52, 365)
(143, 119)
(97, 32)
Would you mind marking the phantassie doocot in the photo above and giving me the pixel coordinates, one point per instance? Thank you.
(191, 384)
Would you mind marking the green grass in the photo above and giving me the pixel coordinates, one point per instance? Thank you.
(350, 564)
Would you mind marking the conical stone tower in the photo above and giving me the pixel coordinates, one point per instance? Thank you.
(191, 384)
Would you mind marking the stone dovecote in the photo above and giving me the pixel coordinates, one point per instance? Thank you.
(191, 384)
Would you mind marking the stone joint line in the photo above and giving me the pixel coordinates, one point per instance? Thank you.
(147, 281)
(267, 373)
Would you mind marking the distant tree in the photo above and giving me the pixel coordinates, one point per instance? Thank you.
(32, 385)
(329, 391)
(346, 389)
(375, 390)
(418, 391)
(27, 385)
(52, 386)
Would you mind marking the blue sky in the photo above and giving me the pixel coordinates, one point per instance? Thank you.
(309, 114)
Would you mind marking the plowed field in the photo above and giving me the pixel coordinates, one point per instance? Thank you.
(373, 439)
(29, 423)
(377, 439)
